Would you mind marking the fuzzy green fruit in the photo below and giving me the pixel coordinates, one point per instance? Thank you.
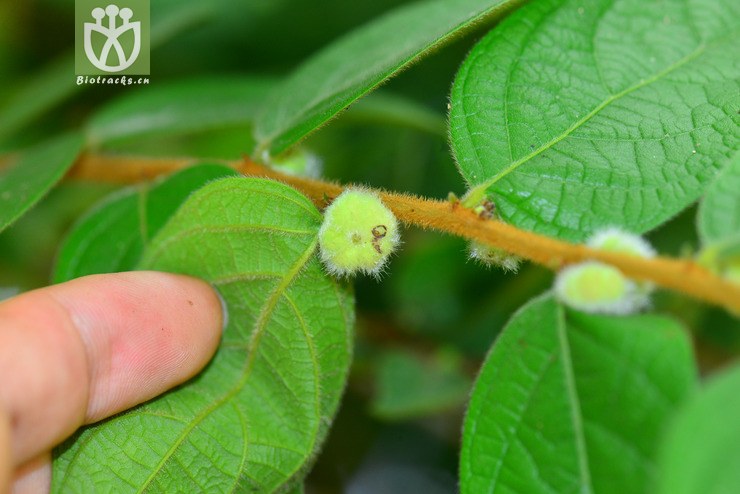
(616, 240)
(598, 288)
(359, 234)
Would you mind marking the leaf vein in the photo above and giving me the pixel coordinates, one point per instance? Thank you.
(576, 413)
(513, 166)
(260, 326)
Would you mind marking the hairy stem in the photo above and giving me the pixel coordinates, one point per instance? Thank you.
(451, 217)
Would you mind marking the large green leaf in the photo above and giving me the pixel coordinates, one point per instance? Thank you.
(33, 173)
(719, 211)
(700, 453)
(576, 115)
(255, 417)
(180, 107)
(113, 234)
(569, 402)
(360, 61)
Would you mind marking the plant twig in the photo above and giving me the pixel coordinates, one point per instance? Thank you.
(677, 274)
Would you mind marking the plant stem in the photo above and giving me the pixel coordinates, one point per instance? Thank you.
(451, 217)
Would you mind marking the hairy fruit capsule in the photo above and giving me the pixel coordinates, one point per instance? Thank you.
(599, 288)
(359, 234)
(613, 239)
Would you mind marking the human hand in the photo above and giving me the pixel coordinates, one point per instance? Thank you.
(78, 352)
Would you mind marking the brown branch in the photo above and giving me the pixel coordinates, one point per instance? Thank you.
(126, 169)
(680, 275)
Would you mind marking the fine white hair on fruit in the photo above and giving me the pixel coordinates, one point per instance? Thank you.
(493, 256)
(358, 235)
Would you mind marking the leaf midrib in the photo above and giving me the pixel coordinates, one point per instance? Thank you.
(575, 408)
(260, 325)
(611, 99)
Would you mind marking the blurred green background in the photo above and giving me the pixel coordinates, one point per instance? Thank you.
(425, 328)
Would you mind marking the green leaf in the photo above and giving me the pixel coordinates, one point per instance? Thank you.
(575, 116)
(719, 211)
(408, 386)
(33, 173)
(359, 62)
(700, 453)
(569, 402)
(253, 420)
(113, 234)
(180, 107)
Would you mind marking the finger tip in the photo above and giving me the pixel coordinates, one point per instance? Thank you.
(173, 330)
(202, 303)
(200, 309)
(86, 349)
(190, 314)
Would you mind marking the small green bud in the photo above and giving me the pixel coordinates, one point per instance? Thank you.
(493, 256)
(359, 234)
(598, 288)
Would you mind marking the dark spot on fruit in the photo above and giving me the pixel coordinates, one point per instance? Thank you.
(380, 231)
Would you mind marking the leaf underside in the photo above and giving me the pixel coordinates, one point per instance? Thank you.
(253, 420)
(577, 116)
(112, 235)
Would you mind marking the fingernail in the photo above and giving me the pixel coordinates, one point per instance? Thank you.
(224, 309)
